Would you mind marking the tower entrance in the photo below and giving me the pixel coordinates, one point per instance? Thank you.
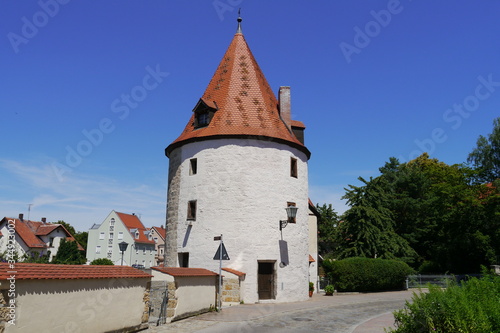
(266, 280)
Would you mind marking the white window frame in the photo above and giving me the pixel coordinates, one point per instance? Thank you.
(101, 236)
(120, 235)
(98, 249)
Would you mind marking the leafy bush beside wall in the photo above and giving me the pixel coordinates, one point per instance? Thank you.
(472, 307)
(367, 274)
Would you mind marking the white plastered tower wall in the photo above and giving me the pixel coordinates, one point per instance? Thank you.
(238, 163)
(241, 189)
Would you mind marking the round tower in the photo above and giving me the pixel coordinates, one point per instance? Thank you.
(239, 162)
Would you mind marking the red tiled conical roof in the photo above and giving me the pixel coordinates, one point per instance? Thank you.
(244, 102)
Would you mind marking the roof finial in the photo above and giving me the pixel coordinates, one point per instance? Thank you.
(239, 31)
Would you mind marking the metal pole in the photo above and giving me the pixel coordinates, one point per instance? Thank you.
(220, 273)
(122, 258)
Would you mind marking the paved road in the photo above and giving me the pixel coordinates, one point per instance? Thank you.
(354, 313)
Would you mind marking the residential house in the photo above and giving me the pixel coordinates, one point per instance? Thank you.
(32, 238)
(104, 240)
(158, 235)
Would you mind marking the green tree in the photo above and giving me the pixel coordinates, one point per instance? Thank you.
(102, 261)
(82, 238)
(485, 158)
(327, 225)
(68, 227)
(367, 228)
(426, 213)
(68, 254)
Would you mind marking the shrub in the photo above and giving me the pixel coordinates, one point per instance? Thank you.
(472, 307)
(102, 261)
(311, 286)
(367, 274)
(329, 289)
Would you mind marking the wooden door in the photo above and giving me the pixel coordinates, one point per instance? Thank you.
(266, 280)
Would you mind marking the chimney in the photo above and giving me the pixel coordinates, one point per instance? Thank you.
(21, 216)
(284, 106)
(44, 219)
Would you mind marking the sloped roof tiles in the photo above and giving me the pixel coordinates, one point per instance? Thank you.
(244, 102)
(28, 271)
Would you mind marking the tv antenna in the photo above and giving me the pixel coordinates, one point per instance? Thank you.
(29, 210)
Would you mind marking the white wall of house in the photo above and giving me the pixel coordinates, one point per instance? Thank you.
(20, 246)
(104, 239)
(159, 246)
(53, 246)
(242, 187)
(313, 249)
(78, 305)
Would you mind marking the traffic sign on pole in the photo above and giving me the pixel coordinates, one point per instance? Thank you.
(224, 256)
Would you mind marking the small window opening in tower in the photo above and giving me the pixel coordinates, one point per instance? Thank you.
(191, 214)
(293, 167)
(193, 166)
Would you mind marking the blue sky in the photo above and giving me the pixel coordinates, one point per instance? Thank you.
(370, 79)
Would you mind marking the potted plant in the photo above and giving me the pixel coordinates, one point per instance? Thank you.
(329, 290)
(311, 289)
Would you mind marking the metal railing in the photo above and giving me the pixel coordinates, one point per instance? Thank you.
(422, 281)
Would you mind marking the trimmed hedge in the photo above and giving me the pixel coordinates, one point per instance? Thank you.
(367, 274)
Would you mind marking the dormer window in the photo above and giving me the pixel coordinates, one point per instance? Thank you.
(135, 233)
(203, 119)
(203, 113)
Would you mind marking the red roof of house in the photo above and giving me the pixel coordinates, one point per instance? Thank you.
(30, 230)
(131, 221)
(43, 229)
(244, 102)
(27, 271)
(27, 234)
(161, 231)
(235, 272)
(184, 271)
